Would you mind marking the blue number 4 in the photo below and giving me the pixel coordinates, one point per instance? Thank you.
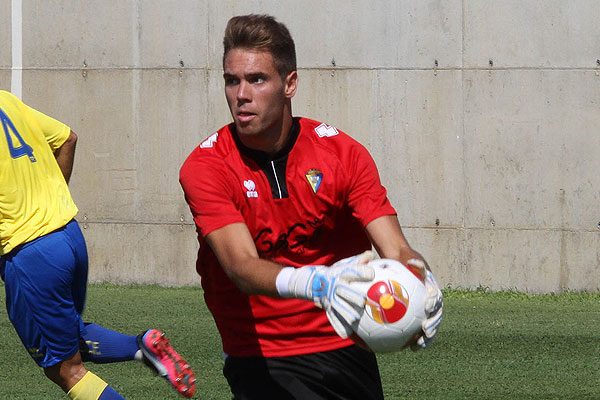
(15, 152)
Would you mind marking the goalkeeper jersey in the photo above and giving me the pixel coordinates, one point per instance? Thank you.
(34, 197)
(306, 205)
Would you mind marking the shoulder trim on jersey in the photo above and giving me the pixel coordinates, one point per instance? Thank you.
(325, 130)
(210, 141)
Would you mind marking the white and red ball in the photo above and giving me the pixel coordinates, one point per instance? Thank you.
(394, 308)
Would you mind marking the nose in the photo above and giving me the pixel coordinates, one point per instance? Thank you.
(243, 92)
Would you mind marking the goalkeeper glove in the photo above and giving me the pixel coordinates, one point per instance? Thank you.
(434, 304)
(329, 288)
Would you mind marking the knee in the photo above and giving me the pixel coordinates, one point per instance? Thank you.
(66, 373)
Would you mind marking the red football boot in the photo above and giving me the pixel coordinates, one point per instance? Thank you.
(165, 361)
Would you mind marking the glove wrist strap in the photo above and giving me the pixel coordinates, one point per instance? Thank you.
(283, 282)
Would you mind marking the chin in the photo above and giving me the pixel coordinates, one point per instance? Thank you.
(245, 130)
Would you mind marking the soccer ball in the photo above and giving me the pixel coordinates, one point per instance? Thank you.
(394, 308)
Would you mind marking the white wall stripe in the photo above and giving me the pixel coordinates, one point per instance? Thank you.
(16, 76)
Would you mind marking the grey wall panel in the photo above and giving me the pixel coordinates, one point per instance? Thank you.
(533, 33)
(580, 261)
(141, 253)
(417, 141)
(530, 161)
(123, 34)
(5, 36)
(173, 32)
(4, 80)
(69, 33)
(513, 259)
(67, 95)
(171, 116)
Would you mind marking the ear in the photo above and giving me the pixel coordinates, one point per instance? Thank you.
(291, 84)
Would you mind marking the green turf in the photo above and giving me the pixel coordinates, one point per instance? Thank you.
(490, 346)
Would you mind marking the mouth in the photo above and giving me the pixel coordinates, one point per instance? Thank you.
(245, 117)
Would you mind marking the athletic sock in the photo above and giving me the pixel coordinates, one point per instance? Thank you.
(110, 394)
(91, 387)
(101, 345)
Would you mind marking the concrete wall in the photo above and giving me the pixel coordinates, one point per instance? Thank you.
(482, 115)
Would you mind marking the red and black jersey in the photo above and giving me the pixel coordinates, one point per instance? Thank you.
(306, 205)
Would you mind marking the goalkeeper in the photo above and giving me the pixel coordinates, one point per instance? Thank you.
(277, 200)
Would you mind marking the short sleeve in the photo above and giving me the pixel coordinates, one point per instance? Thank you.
(55, 132)
(207, 188)
(367, 197)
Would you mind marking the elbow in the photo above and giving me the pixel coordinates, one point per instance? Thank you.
(68, 146)
(72, 139)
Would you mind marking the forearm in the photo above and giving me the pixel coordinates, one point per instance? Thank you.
(237, 255)
(386, 235)
(65, 156)
(256, 276)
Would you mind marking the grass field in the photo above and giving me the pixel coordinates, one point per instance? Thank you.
(490, 346)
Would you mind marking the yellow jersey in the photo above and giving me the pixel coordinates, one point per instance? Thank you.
(34, 197)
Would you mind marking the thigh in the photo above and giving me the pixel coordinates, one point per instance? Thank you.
(351, 373)
(249, 379)
(39, 298)
(76, 241)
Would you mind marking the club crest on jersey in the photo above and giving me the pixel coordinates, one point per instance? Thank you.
(325, 130)
(314, 177)
(251, 189)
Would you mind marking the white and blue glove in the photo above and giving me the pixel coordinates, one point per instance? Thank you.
(329, 288)
(434, 305)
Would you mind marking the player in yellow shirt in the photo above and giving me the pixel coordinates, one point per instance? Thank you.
(44, 263)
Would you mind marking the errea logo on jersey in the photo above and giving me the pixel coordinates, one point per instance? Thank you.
(325, 130)
(210, 141)
(251, 188)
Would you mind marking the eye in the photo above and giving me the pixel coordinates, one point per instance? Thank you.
(231, 81)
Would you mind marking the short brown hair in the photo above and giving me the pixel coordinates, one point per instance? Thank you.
(262, 32)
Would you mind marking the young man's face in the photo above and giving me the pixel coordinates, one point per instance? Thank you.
(256, 93)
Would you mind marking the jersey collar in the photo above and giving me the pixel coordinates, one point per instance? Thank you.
(261, 156)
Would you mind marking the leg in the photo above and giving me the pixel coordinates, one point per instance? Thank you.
(41, 307)
(97, 344)
(101, 345)
(249, 378)
(66, 373)
(351, 372)
(79, 383)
